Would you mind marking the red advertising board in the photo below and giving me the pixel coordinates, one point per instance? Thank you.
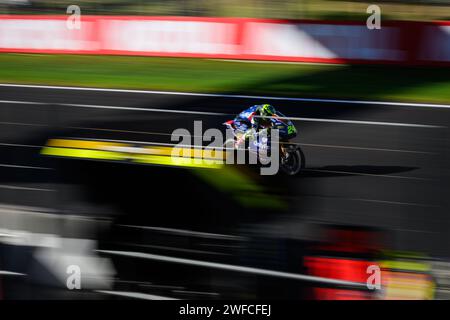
(230, 38)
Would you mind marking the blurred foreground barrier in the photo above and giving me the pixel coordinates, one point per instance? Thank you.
(231, 38)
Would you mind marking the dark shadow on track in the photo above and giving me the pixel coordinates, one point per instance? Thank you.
(337, 171)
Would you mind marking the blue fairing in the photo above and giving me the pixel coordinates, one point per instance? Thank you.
(286, 128)
(245, 115)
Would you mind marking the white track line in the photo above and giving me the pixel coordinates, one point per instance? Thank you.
(338, 198)
(376, 123)
(395, 202)
(23, 102)
(23, 124)
(196, 292)
(362, 148)
(148, 143)
(136, 295)
(114, 107)
(143, 109)
(301, 144)
(10, 273)
(186, 232)
(193, 146)
(23, 167)
(384, 103)
(167, 248)
(169, 134)
(4, 186)
(19, 145)
(173, 144)
(229, 267)
(365, 174)
(397, 124)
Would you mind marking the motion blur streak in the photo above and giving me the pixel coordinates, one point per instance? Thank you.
(281, 219)
(237, 268)
(382, 103)
(98, 201)
(126, 152)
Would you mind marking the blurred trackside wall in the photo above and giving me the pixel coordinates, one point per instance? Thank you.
(412, 43)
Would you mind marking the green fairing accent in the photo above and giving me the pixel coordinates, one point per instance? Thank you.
(291, 129)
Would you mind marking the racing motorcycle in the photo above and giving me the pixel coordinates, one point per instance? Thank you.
(292, 158)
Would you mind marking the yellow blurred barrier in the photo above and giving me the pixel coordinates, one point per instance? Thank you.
(82, 153)
(229, 180)
(158, 155)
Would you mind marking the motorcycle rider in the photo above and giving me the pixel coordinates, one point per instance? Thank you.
(251, 120)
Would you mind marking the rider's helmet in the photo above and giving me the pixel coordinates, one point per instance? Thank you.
(267, 111)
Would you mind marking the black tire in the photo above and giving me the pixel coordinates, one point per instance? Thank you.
(303, 159)
(296, 162)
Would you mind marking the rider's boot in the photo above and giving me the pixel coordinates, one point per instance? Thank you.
(284, 153)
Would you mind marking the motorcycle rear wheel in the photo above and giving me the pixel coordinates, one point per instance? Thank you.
(294, 163)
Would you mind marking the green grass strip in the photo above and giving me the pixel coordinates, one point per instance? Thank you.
(392, 83)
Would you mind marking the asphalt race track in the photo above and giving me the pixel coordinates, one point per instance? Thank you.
(373, 165)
